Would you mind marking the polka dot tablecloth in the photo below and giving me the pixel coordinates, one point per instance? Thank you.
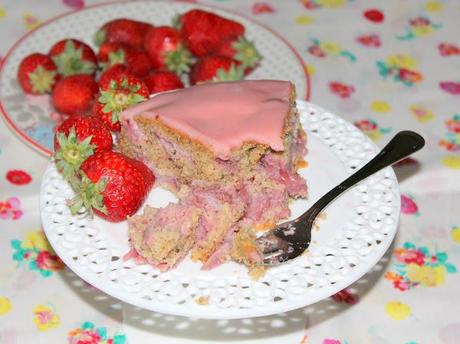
(384, 66)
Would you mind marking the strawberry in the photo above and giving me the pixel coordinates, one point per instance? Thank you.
(241, 50)
(121, 93)
(204, 31)
(137, 61)
(37, 74)
(166, 49)
(123, 30)
(74, 94)
(163, 81)
(77, 138)
(112, 72)
(111, 53)
(73, 57)
(216, 68)
(113, 186)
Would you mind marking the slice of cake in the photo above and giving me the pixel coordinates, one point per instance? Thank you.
(230, 152)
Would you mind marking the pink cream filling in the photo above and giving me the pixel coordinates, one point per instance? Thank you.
(261, 204)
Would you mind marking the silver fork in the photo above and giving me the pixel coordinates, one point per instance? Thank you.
(290, 239)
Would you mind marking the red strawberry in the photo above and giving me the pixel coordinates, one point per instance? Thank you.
(137, 61)
(216, 68)
(163, 81)
(73, 57)
(112, 72)
(113, 186)
(204, 31)
(18, 177)
(37, 74)
(123, 30)
(77, 138)
(121, 93)
(166, 49)
(111, 53)
(241, 50)
(74, 94)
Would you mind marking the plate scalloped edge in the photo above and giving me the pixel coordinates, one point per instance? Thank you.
(324, 270)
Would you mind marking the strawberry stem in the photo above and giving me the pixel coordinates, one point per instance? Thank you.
(89, 196)
(119, 97)
(234, 73)
(246, 53)
(100, 37)
(178, 60)
(42, 80)
(72, 153)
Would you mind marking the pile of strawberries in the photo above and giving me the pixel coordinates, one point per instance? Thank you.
(134, 60)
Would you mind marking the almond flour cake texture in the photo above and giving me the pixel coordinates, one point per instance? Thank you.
(230, 153)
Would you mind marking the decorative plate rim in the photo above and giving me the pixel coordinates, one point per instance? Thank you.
(35, 145)
(314, 295)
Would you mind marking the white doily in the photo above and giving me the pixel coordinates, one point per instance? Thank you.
(354, 235)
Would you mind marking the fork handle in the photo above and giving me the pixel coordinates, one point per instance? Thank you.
(403, 144)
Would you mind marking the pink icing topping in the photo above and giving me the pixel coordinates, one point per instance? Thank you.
(221, 115)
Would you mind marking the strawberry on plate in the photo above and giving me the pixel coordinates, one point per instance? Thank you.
(111, 53)
(37, 74)
(112, 72)
(137, 61)
(166, 49)
(73, 57)
(123, 30)
(77, 138)
(241, 50)
(113, 186)
(204, 31)
(74, 94)
(216, 68)
(121, 93)
(161, 81)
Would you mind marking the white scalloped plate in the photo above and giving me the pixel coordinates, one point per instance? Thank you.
(30, 116)
(357, 230)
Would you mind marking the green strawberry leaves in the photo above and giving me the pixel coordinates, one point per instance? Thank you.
(42, 80)
(178, 60)
(89, 196)
(71, 154)
(71, 62)
(234, 73)
(246, 53)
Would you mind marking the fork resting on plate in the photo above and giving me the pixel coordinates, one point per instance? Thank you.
(290, 239)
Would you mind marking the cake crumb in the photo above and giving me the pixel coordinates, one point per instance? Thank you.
(321, 216)
(202, 300)
(257, 272)
(263, 227)
(301, 164)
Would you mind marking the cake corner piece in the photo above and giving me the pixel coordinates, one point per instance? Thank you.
(230, 152)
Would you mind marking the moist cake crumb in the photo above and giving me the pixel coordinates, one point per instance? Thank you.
(230, 152)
